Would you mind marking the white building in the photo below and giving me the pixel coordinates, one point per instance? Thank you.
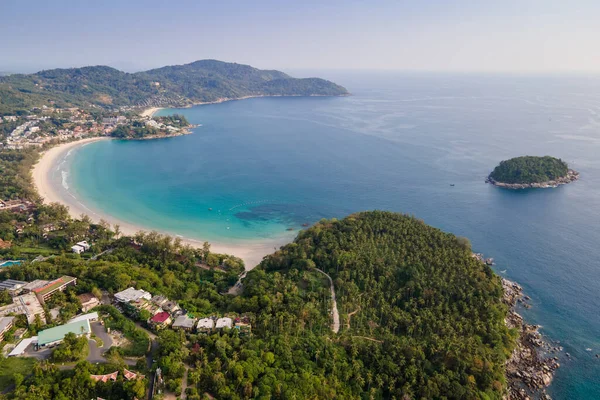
(77, 249)
(224, 323)
(86, 246)
(90, 317)
(205, 324)
(132, 294)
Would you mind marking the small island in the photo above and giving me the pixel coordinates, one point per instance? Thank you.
(532, 172)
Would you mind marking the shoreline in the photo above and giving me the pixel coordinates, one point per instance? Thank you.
(252, 252)
(530, 368)
(571, 176)
(149, 112)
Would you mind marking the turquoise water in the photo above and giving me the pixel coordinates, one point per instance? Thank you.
(266, 165)
(9, 263)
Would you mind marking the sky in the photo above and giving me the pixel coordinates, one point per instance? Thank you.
(417, 35)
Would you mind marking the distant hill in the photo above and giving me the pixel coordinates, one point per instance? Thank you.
(179, 85)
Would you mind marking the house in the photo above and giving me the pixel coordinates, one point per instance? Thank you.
(243, 325)
(53, 336)
(58, 285)
(105, 378)
(224, 322)
(130, 375)
(14, 287)
(205, 325)
(184, 322)
(77, 249)
(89, 317)
(166, 304)
(160, 320)
(132, 294)
(88, 301)
(86, 246)
(5, 324)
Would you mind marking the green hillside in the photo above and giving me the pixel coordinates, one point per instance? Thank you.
(180, 85)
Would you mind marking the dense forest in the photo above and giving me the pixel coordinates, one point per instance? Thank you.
(200, 81)
(421, 318)
(529, 169)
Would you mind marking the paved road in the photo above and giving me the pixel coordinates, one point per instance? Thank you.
(96, 353)
(150, 357)
(335, 325)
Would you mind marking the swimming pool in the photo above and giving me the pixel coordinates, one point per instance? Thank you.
(10, 263)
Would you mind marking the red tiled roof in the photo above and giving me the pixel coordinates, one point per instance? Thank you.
(129, 375)
(160, 317)
(105, 378)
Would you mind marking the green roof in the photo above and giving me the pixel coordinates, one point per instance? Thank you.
(59, 332)
(54, 284)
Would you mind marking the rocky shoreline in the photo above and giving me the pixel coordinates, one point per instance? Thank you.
(528, 372)
(571, 176)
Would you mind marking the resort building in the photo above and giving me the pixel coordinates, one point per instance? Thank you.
(205, 325)
(184, 322)
(31, 286)
(58, 285)
(53, 336)
(225, 322)
(83, 317)
(26, 304)
(132, 294)
(160, 320)
(14, 287)
(130, 375)
(22, 346)
(105, 378)
(77, 249)
(5, 324)
(166, 304)
(88, 301)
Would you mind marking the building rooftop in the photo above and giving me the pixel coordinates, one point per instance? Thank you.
(86, 297)
(132, 294)
(20, 348)
(183, 321)
(83, 317)
(5, 322)
(206, 323)
(35, 284)
(11, 284)
(59, 332)
(55, 284)
(160, 317)
(224, 323)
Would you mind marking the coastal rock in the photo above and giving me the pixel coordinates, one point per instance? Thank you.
(571, 176)
(528, 372)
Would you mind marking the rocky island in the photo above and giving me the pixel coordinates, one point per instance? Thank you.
(532, 172)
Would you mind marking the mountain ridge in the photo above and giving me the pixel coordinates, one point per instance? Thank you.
(200, 81)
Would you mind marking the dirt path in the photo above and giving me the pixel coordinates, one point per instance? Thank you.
(350, 316)
(335, 325)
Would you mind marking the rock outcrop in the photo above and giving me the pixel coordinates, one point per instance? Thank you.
(571, 176)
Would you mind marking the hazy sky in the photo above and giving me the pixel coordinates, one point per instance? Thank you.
(455, 35)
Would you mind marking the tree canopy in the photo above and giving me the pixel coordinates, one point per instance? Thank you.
(529, 169)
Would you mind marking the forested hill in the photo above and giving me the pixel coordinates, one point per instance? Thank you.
(530, 169)
(200, 81)
(420, 317)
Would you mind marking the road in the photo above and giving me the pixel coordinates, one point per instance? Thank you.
(150, 357)
(96, 353)
(335, 325)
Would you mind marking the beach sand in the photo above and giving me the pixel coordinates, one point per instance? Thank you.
(252, 252)
(150, 111)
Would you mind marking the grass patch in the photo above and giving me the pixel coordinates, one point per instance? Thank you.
(10, 366)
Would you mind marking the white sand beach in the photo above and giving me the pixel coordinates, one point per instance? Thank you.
(150, 111)
(251, 252)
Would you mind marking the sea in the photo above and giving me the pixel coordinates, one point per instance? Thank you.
(418, 143)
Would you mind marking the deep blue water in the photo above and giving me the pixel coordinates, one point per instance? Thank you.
(268, 164)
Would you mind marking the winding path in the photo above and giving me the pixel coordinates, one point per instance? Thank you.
(335, 325)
